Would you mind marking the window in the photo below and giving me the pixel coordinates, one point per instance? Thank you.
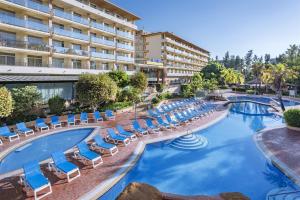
(92, 20)
(93, 65)
(105, 66)
(58, 62)
(76, 14)
(7, 59)
(93, 5)
(6, 12)
(59, 26)
(35, 61)
(35, 40)
(58, 8)
(93, 34)
(76, 30)
(57, 43)
(93, 49)
(33, 19)
(7, 36)
(76, 64)
(76, 46)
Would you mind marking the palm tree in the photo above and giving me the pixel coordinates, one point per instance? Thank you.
(232, 76)
(277, 76)
(257, 69)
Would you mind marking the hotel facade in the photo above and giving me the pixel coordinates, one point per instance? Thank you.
(49, 43)
(179, 58)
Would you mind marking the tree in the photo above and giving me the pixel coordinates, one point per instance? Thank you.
(210, 84)
(248, 62)
(277, 75)
(267, 58)
(56, 105)
(120, 77)
(226, 59)
(257, 69)
(213, 71)
(232, 76)
(196, 82)
(94, 90)
(139, 81)
(6, 102)
(26, 100)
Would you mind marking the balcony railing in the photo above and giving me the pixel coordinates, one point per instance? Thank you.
(125, 58)
(71, 17)
(11, 61)
(125, 34)
(125, 46)
(64, 50)
(24, 45)
(103, 27)
(13, 20)
(103, 41)
(103, 55)
(71, 34)
(32, 4)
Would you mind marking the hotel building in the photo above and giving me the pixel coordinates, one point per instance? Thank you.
(49, 43)
(179, 58)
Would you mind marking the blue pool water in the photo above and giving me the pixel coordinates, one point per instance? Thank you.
(230, 163)
(264, 100)
(41, 149)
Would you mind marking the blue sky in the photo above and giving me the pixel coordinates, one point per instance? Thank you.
(266, 26)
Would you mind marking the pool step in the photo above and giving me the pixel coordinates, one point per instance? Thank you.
(189, 142)
(284, 193)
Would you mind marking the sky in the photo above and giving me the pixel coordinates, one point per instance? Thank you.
(265, 26)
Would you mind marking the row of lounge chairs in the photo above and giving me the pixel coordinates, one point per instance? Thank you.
(34, 179)
(55, 122)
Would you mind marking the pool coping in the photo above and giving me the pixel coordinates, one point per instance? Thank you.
(106, 185)
(55, 131)
(272, 158)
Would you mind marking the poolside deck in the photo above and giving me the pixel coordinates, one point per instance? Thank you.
(90, 178)
(282, 147)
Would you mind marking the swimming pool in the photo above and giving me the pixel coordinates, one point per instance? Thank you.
(262, 99)
(230, 162)
(41, 148)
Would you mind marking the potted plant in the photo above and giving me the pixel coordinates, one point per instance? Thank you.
(292, 118)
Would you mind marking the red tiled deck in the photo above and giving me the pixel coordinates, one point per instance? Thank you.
(282, 146)
(90, 178)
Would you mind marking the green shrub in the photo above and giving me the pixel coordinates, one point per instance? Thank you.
(56, 105)
(240, 89)
(116, 106)
(139, 81)
(250, 91)
(292, 117)
(155, 100)
(6, 102)
(27, 101)
(160, 87)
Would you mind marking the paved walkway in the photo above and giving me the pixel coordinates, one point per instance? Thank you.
(90, 178)
(282, 147)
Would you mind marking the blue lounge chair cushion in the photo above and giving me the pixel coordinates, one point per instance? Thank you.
(97, 115)
(101, 143)
(55, 120)
(114, 136)
(5, 132)
(40, 123)
(123, 132)
(90, 155)
(22, 127)
(36, 181)
(109, 113)
(66, 166)
(34, 176)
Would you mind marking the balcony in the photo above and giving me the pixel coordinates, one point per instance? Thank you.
(125, 46)
(71, 34)
(70, 51)
(125, 34)
(69, 16)
(125, 58)
(31, 4)
(24, 45)
(103, 41)
(12, 61)
(103, 27)
(103, 55)
(15, 21)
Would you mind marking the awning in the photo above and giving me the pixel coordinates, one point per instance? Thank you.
(18, 78)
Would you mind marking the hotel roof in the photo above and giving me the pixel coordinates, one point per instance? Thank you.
(177, 38)
(114, 8)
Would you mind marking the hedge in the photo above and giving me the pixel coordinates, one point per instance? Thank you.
(292, 117)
